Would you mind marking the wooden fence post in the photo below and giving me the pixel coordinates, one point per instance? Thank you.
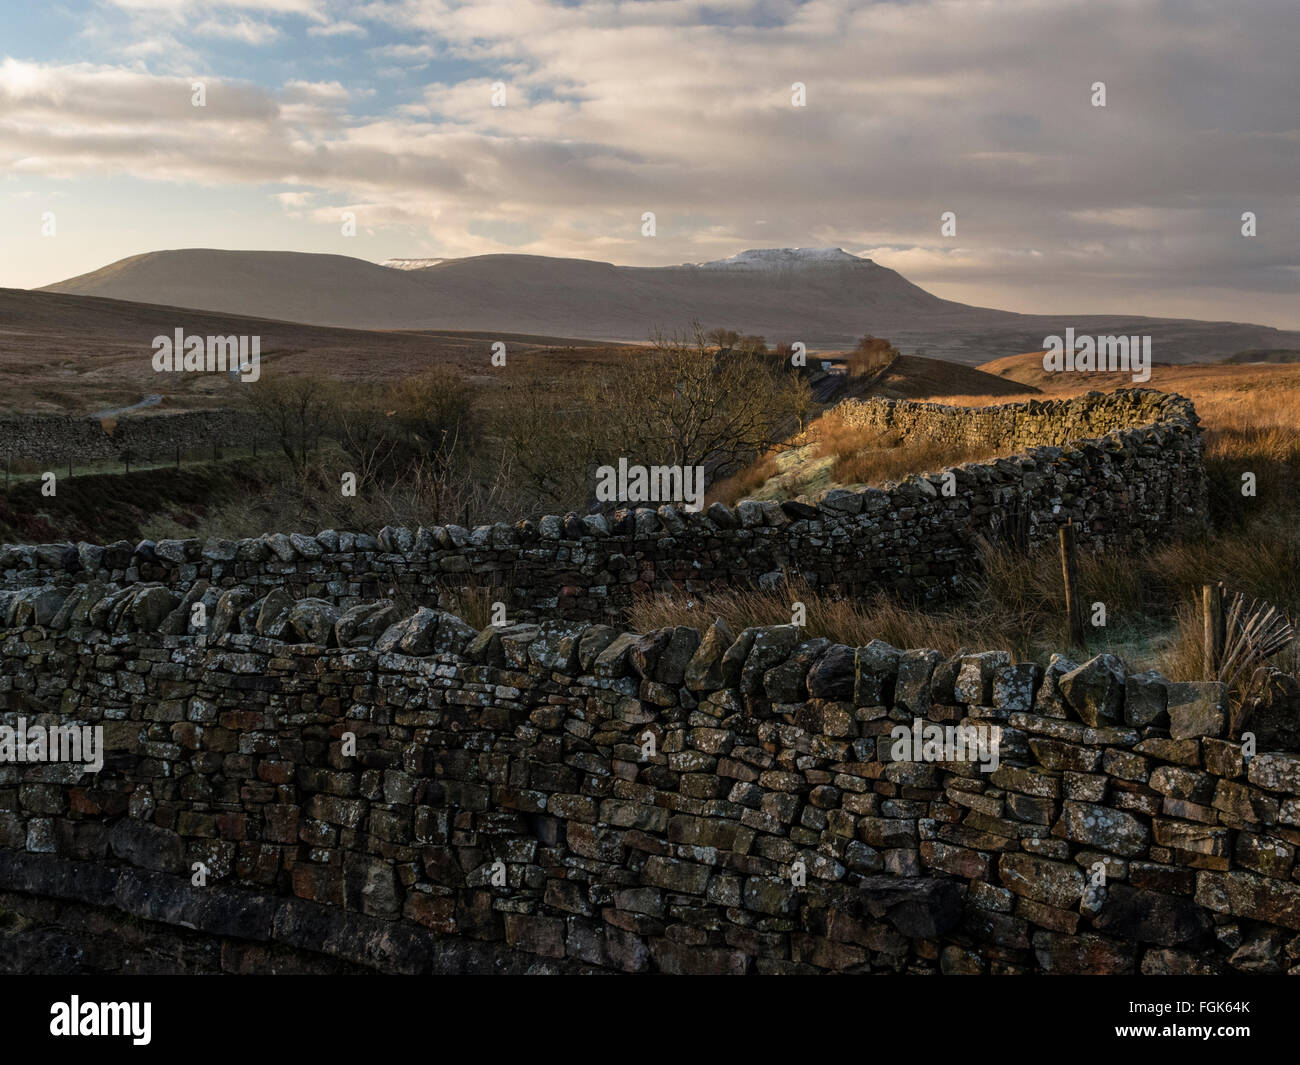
(1070, 572)
(1212, 629)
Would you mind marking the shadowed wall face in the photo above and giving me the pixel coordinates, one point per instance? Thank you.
(563, 796)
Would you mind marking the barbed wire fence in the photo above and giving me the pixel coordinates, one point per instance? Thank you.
(21, 465)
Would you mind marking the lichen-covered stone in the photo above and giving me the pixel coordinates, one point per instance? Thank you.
(1095, 690)
(1146, 699)
(411, 636)
(273, 614)
(312, 621)
(876, 667)
(704, 670)
(1099, 826)
(361, 625)
(1197, 708)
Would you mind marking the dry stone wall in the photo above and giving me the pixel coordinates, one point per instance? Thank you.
(60, 438)
(1140, 479)
(504, 809)
(1012, 426)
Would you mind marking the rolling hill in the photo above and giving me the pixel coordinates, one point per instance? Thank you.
(824, 297)
(82, 353)
(1231, 386)
(915, 377)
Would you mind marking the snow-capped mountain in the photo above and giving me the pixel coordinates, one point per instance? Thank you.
(781, 259)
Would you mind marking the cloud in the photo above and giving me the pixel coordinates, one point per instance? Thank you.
(246, 30)
(181, 8)
(336, 29)
(404, 51)
(615, 108)
(324, 93)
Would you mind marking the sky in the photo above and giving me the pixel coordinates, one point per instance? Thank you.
(387, 111)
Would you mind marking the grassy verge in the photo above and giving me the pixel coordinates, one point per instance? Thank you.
(1015, 603)
(106, 507)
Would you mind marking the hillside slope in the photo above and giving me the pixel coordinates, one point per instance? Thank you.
(916, 377)
(1270, 389)
(83, 353)
(825, 298)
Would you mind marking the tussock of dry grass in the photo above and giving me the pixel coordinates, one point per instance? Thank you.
(1013, 604)
(831, 436)
(474, 603)
(744, 482)
(893, 461)
(848, 621)
(1016, 603)
(859, 454)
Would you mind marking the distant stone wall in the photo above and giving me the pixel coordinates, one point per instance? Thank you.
(1132, 486)
(564, 797)
(59, 438)
(1028, 424)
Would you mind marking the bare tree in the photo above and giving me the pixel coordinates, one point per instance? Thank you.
(683, 402)
(552, 442)
(300, 412)
(688, 405)
(365, 434)
(801, 400)
(433, 412)
(415, 445)
(723, 339)
(871, 354)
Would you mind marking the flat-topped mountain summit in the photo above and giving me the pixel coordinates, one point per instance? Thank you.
(784, 259)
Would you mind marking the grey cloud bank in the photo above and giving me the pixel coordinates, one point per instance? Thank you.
(617, 109)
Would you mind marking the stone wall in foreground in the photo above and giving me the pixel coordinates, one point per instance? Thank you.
(1141, 481)
(505, 810)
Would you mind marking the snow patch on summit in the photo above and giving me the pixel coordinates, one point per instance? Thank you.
(781, 259)
(410, 264)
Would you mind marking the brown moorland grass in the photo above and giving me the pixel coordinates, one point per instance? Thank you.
(1251, 419)
(866, 457)
(77, 354)
(1014, 604)
(745, 481)
(859, 454)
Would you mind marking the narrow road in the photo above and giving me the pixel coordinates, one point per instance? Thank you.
(149, 401)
